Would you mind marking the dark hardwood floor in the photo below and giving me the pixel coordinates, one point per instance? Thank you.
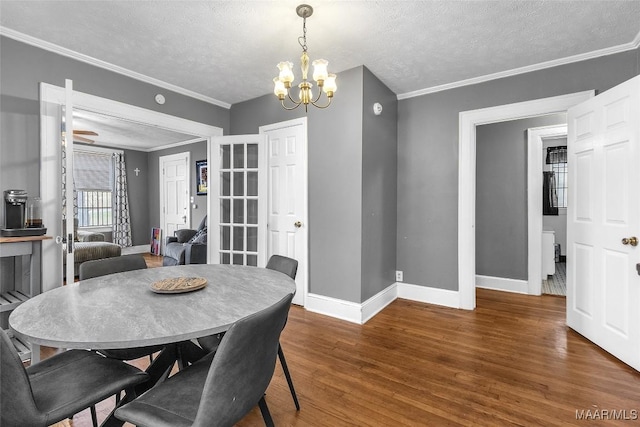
(512, 361)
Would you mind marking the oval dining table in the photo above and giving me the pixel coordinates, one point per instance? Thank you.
(122, 311)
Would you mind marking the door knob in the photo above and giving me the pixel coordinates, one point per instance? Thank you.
(633, 241)
(297, 224)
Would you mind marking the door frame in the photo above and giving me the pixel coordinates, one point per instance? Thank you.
(163, 213)
(51, 98)
(468, 120)
(535, 159)
(304, 259)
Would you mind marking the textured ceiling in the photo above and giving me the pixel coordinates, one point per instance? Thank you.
(227, 50)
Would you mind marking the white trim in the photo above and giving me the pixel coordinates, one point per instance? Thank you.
(534, 200)
(429, 295)
(340, 309)
(527, 69)
(93, 149)
(378, 302)
(51, 47)
(468, 120)
(175, 144)
(502, 284)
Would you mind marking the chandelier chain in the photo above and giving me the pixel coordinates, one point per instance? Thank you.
(303, 43)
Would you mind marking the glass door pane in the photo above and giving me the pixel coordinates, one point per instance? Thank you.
(238, 195)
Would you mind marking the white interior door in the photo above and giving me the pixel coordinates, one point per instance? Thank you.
(603, 288)
(67, 147)
(287, 209)
(237, 209)
(174, 193)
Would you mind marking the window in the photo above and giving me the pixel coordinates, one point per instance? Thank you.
(560, 172)
(93, 178)
(557, 160)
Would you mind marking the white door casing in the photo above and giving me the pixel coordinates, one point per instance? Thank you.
(535, 161)
(175, 173)
(288, 228)
(51, 99)
(603, 288)
(468, 120)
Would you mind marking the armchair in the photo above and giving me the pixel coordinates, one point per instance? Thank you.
(187, 246)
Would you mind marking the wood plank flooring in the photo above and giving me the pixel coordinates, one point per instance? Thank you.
(511, 362)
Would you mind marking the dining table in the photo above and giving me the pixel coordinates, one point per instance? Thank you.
(129, 309)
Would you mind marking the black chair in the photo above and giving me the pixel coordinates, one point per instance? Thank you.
(288, 266)
(58, 387)
(101, 267)
(221, 388)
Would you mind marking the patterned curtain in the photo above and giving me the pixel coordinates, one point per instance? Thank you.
(121, 219)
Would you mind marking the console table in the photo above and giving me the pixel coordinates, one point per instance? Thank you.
(14, 294)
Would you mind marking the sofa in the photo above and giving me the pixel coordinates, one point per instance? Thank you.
(186, 246)
(87, 247)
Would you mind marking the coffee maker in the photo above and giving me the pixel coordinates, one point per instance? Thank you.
(15, 220)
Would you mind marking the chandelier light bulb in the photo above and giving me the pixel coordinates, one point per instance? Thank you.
(320, 72)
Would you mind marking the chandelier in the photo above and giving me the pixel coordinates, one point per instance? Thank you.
(326, 82)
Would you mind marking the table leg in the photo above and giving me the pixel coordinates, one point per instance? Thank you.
(35, 354)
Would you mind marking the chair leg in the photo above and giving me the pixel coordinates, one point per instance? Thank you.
(287, 375)
(94, 417)
(266, 415)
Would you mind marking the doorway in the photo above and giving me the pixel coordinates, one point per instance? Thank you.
(52, 98)
(467, 179)
(174, 193)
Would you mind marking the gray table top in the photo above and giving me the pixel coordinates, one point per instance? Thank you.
(121, 311)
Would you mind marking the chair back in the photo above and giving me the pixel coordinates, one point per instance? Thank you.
(283, 264)
(242, 367)
(17, 405)
(101, 267)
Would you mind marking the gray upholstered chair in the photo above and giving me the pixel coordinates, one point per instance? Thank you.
(187, 246)
(101, 267)
(288, 266)
(285, 265)
(58, 387)
(221, 388)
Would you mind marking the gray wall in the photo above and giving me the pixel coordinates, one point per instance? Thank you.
(501, 196)
(352, 183)
(379, 187)
(23, 67)
(139, 207)
(428, 157)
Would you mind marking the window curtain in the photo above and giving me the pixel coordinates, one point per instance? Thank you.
(549, 195)
(121, 218)
(556, 155)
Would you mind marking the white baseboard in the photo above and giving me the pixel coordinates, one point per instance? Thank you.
(140, 249)
(502, 284)
(361, 313)
(429, 295)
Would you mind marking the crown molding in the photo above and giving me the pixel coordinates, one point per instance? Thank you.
(51, 47)
(529, 68)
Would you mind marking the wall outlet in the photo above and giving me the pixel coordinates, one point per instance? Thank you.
(398, 276)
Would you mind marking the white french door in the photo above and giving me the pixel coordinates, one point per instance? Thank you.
(288, 229)
(603, 287)
(67, 158)
(237, 210)
(174, 193)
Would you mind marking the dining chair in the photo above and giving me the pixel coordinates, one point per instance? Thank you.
(288, 266)
(58, 387)
(101, 267)
(222, 387)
